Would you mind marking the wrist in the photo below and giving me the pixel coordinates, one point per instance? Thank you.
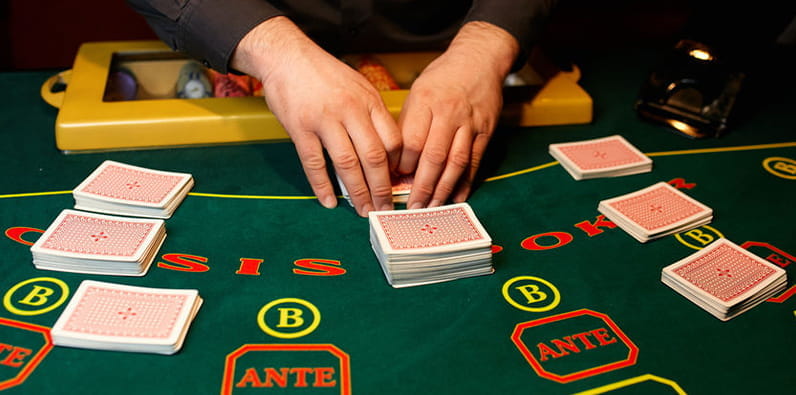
(485, 42)
(267, 45)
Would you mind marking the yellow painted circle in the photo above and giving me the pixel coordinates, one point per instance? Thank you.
(689, 245)
(10, 306)
(550, 306)
(289, 335)
(767, 164)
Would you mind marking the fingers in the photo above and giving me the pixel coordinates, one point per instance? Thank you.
(414, 123)
(390, 135)
(466, 180)
(376, 188)
(310, 152)
(459, 159)
(433, 161)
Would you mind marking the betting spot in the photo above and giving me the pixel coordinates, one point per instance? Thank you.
(531, 294)
(289, 318)
(36, 296)
(698, 238)
(575, 345)
(280, 368)
(22, 347)
(781, 167)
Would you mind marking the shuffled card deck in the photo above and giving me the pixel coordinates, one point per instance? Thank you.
(429, 245)
(611, 156)
(83, 242)
(656, 211)
(725, 279)
(119, 188)
(107, 316)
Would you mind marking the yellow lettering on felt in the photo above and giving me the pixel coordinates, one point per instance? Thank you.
(785, 167)
(532, 293)
(37, 296)
(700, 236)
(290, 317)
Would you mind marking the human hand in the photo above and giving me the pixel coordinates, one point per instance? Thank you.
(451, 112)
(324, 104)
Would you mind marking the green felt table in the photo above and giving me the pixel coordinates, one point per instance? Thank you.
(295, 301)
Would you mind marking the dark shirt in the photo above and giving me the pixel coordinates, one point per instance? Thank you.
(209, 30)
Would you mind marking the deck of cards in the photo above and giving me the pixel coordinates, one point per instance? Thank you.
(106, 316)
(122, 189)
(91, 243)
(611, 156)
(401, 186)
(430, 245)
(656, 211)
(725, 279)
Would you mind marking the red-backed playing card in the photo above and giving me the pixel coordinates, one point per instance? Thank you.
(435, 229)
(122, 183)
(126, 318)
(79, 234)
(724, 273)
(603, 153)
(657, 208)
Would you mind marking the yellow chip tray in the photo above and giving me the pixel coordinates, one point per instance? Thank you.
(155, 119)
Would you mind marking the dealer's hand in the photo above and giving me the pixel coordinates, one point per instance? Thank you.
(451, 112)
(324, 104)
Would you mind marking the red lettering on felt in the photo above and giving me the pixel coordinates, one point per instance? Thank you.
(562, 239)
(16, 233)
(544, 351)
(567, 345)
(593, 229)
(680, 183)
(280, 377)
(301, 376)
(779, 260)
(250, 377)
(583, 337)
(602, 336)
(324, 377)
(184, 263)
(249, 266)
(16, 355)
(318, 267)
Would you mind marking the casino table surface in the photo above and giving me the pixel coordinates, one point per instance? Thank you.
(296, 302)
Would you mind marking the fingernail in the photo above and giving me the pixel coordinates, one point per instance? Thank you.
(386, 207)
(435, 203)
(364, 210)
(329, 201)
(415, 205)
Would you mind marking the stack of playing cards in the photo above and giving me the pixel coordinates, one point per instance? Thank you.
(401, 186)
(611, 156)
(105, 316)
(430, 245)
(118, 188)
(725, 279)
(91, 243)
(656, 211)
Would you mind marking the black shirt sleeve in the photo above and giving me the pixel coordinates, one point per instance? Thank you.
(207, 30)
(524, 19)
